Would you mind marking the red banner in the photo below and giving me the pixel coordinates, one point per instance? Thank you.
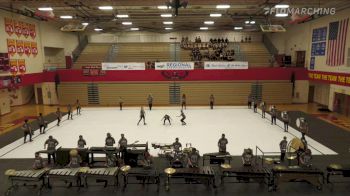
(25, 29)
(11, 46)
(330, 77)
(27, 48)
(34, 47)
(14, 67)
(18, 28)
(32, 31)
(9, 28)
(20, 47)
(22, 66)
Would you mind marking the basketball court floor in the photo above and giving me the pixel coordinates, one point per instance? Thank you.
(243, 128)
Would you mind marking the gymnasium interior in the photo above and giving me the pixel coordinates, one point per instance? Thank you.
(174, 97)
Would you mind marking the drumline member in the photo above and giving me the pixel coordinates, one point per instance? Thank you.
(81, 142)
(70, 112)
(121, 101)
(283, 148)
(28, 130)
(211, 101)
(123, 142)
(183, 101)
(166, 118)
(249, 101)
(273, 111)
(110, 141)
(285, 118)
(177, 145)
(38, 162)
(193, 159)
(305, 158)
(51, 148)
(142, 116)
(183, 117)
(78, 106)
(147, 159)
(111, 159)
(150, 101)
(42, 123)
(222, 144)
(58, 116)
(75, 159)
(263, 109)
(247, 157)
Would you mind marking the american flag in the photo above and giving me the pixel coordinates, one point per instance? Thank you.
(336, 42)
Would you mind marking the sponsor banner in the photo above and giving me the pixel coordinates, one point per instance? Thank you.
(226, 65)
(9, 28)
(11, 46)
(330, 77)
(34, 49)
(123, 66)
(21, 66)
(20, 47)
(27, 48)
(174, 65)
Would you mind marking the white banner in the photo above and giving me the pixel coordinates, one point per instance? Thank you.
(123, 66)
(174, 65)
(226, 65)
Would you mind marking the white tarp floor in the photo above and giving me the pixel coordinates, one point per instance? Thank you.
(242, 127)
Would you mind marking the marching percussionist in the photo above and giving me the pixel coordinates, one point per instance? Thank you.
(211, 101)
(122, 144)
(222, 144)
(303, 140)
(283, 148)
(81, 142)
(305, 158)
(75, 159)
(285, 118)
(177, 145)
(121, 101)
(38, 161)
(70, 112)
(147, 159)
(28, 130)
(110, 141)
(263, 109)
(58, 116)
(193, 158)
(142, 116)
(255, 105)
(166, 118)
(51, 148)
(247, 157)
(42, 123)
(273, 111)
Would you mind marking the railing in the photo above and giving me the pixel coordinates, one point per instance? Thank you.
(239, 55)
(77, 51)
(269, 45)
(264, 154)
(111, 53)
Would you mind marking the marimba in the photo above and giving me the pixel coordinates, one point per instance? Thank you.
(102, 174)
(337, 169)
(102, 150)
(204, 175)
(27, 178)
(311, 175)
(142, 175)
(68, 175)
(217, 158)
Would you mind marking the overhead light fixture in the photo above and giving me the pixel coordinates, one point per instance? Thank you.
(238, 28)
(127, 23)
(105, 7)
(45, 9)
(122, 16)
(98, 29)
(134, 29)
(168, 22)
(66, 17)
(209, 22)
(247, 21)
(223, 6)
(162, 7)
(168, 28)
(166, 15)
(282, 6)
(215, 15)
(252, 22)
(281, 15)
(203, 28)
(85, 23)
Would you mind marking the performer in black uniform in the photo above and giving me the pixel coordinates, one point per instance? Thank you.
(273, 111)
(28, 130)
(247, 157)
(183, 101)
(249, 101)
(58, 116)
(305, 158)
(255, 105)
(110, 141)
(166, 118)
(51, 148)
(70, 112)
(177, 145)
(121, 101)
(283, 148)
(183, 118)
(193, 159)
(142, 116)
(38, 162)
(263, 109)
(42, 123)
(123, 143)
(81, 142)
(285, 119)
(150, 101)
(78, 107)
(211, 101)
(222, 144)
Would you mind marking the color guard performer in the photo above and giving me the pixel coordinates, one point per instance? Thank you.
(58, 116)
(283, 148)
(255, 105)
(183, 101)
(38, 162)
(81, 142)
(28, 130)
(142, 115)
(250, 101)
(222, 144)
(273, 111)
(177, 145)
(193, 159)
(285, 118)
(78, 106)
(211, 101)
(150, 101)
(70, 112)
(263, 109)
(183, 117)
(109, 140)
(51, 148)
(166, 118)
(42, 123)
(121, 101)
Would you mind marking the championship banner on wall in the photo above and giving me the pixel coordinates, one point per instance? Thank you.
(226, 65)
(174, 65)
(21, 66)
(25, 29)
(18, 28)
(9, 28)
(330, 77)
(32, 31)
(11, 46)
(27, 48)
(123, 66)
(13, 66)
(19, 47)
(34, 48)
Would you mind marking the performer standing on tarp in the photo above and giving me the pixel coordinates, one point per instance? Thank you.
(183, 101)
(142, 116)
(78, 107)
(211, 101)
(222, 144)
(58, 116)
(70, 112)
(150, 101)
(28, 130)
(283, 148)
(183, 117)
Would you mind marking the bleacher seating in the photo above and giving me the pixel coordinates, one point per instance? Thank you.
(93, 54)
(256, 54)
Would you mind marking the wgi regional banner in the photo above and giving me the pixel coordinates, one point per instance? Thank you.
(123, 66)
(174, 65)
(226, 65)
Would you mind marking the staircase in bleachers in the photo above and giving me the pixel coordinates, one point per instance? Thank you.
(93, 94)
(256, 91)
(174, 93)
(255, 53)
(93, 54)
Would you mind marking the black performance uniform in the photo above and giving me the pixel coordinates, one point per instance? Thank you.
(42, 124)
(123, 142)
(70, 112)
(255, 105)
(150, 102)
(222, 145)
(211, 100)
(51, 149)
(27, 131)
(142, 116)
(59, 117)
(273, 116)
(177, 146)
(183, 103)
(183, 118)
(263, 110)
(166, 118)
(285, 119)
(283, 148)
(81, 143)
(78, 108)
(110, 141)
(249, 102)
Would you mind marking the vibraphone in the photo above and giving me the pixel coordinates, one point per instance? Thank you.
(248, 174)
(102, 150)
(311, 175)
(68, 175)
(337, 169)
(143, 176)
(104, 174)
(217, 158)
(204, 175)
(25, 178)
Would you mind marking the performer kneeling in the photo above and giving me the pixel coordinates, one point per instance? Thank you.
(183, 117)
(166, 118)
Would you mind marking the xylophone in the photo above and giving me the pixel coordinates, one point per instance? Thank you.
(102, 150)
(25, 178)
(143, 176)
(204, 175)
(247, 174)
(311, 175)
(102, 174)
(217, 158)
(337, 169)
(68, 175)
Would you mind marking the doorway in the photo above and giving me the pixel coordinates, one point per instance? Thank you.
(341, 104)
(311, 94)
(300, 62)
(39, 92)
